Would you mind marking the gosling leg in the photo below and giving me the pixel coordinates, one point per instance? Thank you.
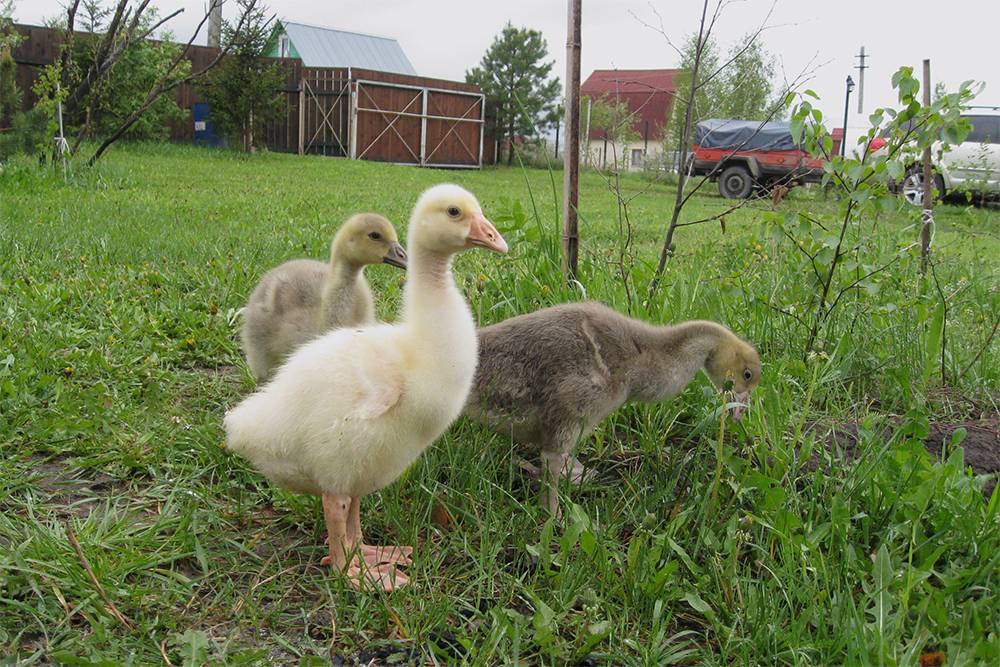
(336, 513)
(553, 470)
(373, 555)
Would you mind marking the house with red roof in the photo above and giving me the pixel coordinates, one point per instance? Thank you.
(649, 96)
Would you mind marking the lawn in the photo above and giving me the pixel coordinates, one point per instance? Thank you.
(129, 535)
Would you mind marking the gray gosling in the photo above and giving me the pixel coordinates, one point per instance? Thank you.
(550, 377)
(303, 298)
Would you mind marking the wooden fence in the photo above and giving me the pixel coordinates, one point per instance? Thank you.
(344, 112)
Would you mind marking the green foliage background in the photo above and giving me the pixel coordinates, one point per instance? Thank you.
(243, 89)
(514, 76)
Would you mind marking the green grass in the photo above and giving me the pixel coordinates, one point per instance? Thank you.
(119, 298)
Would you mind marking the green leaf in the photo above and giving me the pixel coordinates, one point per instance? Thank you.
(932, 343)
(699, 605)
(882, 576)
(193, 647)
(895, 169)
(685, 558)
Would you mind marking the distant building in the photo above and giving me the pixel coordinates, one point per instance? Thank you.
(328, 47)
(649, 94)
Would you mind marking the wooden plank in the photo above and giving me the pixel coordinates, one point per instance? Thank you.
(302, 117)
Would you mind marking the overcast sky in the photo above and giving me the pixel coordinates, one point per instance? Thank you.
(444, 38)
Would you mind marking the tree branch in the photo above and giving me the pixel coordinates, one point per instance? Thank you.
(165, 84)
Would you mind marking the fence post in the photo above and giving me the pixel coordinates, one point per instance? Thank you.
(302, 116)
(423, 128)
(353, 117)
(482, 126)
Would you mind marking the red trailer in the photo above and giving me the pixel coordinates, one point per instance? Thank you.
(744, 156)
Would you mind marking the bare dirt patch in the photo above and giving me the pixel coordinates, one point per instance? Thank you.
(72, 489)
(981, 446)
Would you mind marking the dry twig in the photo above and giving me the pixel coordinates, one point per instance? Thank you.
(112, 609)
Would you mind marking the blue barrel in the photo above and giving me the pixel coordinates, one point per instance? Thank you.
(204, 131)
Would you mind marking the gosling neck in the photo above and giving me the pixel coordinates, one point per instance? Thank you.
(670, 357)
(344, 271)
(431, 301)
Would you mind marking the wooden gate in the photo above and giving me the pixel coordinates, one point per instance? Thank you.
(324, 114)
(416, 125)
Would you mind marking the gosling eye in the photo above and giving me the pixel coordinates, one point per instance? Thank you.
(374, 236)
(454, 212)
(747, 374)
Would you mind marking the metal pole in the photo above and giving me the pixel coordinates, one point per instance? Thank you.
(571, 158)
(847, 104)
(928, 213)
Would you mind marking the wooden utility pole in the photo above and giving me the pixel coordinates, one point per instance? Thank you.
(571, 155)
(928, 213)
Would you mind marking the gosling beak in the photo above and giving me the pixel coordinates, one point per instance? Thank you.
(484, 235)
(743, 401)
(396, 256)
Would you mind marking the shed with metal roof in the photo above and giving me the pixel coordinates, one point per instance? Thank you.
(329, 47)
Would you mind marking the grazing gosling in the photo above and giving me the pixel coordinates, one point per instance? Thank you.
(351, 410)
(302, 298)
(550, 377)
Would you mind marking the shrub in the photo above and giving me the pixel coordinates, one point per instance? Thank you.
(115, 98)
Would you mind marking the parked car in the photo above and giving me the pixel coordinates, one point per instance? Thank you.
(745, 155)
(972, 166)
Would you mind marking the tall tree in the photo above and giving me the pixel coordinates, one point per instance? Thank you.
(121, 89)
(747, 82)
(94, 15)
(514, 76)
(243, 91)
(708, 94)
(740, 85)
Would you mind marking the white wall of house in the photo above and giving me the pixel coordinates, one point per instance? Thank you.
(631, 155)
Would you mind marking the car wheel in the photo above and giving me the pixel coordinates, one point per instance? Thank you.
(735, 182)
(912, 188)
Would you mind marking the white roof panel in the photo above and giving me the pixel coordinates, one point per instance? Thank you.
(326, 47)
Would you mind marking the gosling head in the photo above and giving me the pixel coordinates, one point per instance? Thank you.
(448, 219)
(734, 366)
(367, 238)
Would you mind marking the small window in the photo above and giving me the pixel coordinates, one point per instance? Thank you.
(985, 129)
(637, 157)
(284, 46)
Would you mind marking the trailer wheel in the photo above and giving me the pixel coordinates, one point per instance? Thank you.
(735, 182)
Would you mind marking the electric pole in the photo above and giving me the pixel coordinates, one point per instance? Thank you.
(861, 67)
(215, 24)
